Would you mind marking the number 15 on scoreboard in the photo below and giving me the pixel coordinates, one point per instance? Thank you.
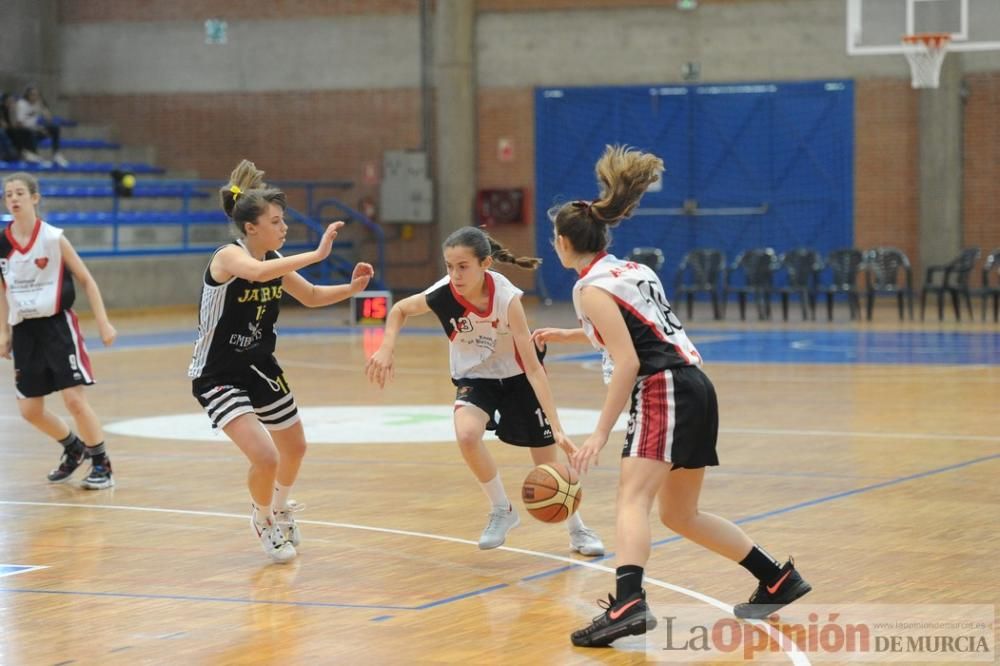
(370, 308)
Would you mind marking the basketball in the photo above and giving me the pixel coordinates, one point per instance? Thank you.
(551, 492)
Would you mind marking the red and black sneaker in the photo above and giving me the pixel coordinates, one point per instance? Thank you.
(628, 617)
(769, 598)
(72, 457)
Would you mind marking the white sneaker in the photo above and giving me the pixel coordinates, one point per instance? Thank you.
(501, 521)
(286, 521)
(585, 541)
(30, 156)
(272, 539)
(60, 160)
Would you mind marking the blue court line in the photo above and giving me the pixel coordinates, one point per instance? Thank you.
(533, 577)
(787, 509)
(234, 600)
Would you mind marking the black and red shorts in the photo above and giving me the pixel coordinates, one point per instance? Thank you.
(674, 417)
(49, 355)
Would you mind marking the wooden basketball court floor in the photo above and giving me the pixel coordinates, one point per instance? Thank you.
(880, 478)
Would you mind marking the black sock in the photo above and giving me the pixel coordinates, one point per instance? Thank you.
(70, 441)
(763, 567)
(628, 581)
(96, 454)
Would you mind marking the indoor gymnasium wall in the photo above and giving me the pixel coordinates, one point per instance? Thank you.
(320, 87)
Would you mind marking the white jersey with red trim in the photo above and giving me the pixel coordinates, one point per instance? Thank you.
(659, 339)
(481, 343)
(37, 284)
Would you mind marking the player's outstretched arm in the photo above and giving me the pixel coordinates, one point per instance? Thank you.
(379, 367)
(315, 296)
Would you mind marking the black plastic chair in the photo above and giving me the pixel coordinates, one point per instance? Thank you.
(757, 267)
(801, 267)
(888, 272)
(701, 272)
(954, 281)
(650, 256)
(989, 289)
(844, 265)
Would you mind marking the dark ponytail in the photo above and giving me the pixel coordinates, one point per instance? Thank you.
(483, 245)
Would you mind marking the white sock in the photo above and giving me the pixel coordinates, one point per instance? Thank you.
(575, 522)
(494, 490)
(280, 496)
(261, 513)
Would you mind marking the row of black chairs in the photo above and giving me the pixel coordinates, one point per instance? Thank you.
(887, 271)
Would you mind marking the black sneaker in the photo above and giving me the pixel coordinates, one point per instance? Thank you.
(769, 598)
(629, 617)
(99, 477)
(72, 457)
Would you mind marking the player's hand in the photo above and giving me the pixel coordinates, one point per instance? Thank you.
(326, 240)
(108, 333)
(587, 454)
(4, 344)
(379, 367)
(565, 443)
(542, 336)
(362, 274)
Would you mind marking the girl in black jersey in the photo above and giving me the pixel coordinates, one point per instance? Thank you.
(674, 414)
(40, 330)
(495, 369)
(235, 376)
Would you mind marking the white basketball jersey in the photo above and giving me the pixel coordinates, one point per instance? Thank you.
(659, 339)
(481, 342)
(36, 281)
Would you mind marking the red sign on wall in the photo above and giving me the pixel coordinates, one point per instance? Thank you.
(505, 149)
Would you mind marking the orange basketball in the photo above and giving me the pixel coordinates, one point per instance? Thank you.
(551, 493)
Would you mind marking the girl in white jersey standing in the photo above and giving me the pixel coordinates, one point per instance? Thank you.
(495, 369)
(673, 419)
(40, 329)
(235, 376)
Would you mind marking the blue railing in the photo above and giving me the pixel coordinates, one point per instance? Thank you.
(186, 191)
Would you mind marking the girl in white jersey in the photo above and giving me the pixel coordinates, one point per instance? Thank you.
(674, 416)
(495, 368)
(39, 328)
(234, 374)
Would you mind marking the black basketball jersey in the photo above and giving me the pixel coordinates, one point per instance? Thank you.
(236, 323)
(657, 334)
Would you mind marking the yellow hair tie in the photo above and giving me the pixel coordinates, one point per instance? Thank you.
(236, 191)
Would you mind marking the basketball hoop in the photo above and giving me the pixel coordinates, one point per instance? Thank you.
(925, 52)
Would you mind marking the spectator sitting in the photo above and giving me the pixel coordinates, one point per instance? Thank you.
(33, 114)
(23, 140)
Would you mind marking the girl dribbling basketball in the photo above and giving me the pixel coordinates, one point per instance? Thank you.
(495, 369)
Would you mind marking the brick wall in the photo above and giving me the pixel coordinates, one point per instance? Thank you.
(981, 206)
(886, 171)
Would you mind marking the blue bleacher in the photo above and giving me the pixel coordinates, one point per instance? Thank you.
(135, 218)
(82, 144)
(82, 167)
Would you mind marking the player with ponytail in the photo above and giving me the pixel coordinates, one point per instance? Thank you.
(673, 418)
(495, 369)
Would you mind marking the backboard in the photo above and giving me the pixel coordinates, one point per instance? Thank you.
(876, 27)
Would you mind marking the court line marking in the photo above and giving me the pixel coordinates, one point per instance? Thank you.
(793, 653)
(16, 569)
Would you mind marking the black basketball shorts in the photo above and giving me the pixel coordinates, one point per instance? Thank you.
(512, 407)
(49, 355)
(674, 417)
(259, 388)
